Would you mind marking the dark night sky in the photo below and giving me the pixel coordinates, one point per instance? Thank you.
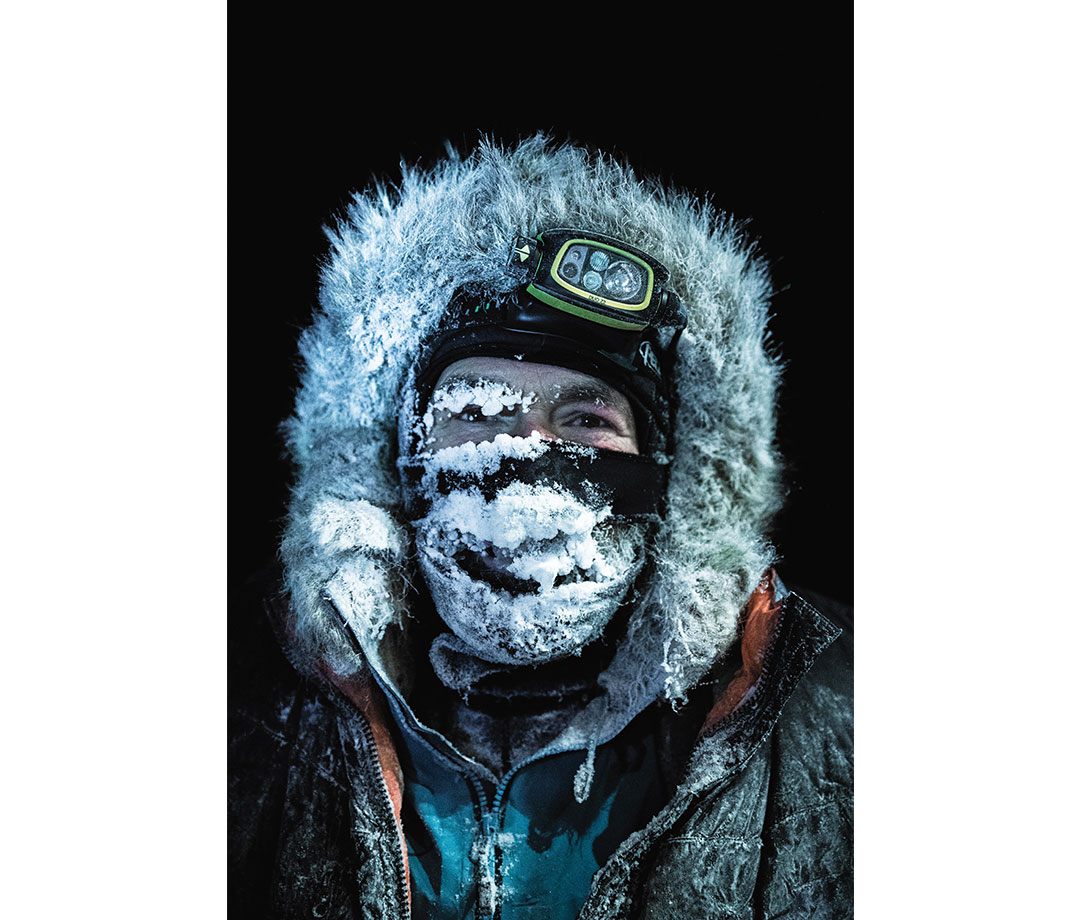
(779, 158)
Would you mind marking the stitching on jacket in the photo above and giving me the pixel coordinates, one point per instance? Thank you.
(820, 806)
(816, 881)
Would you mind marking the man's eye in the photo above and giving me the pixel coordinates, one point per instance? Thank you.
(475, 415)
(588, 420)
(469, 414)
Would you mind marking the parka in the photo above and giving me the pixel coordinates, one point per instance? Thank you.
(757, 825)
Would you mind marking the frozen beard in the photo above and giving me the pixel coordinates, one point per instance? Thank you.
(528, 572)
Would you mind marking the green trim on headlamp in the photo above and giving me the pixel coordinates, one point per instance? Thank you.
(583, 312)
(596, 278)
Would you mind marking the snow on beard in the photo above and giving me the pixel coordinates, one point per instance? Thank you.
(533, 574)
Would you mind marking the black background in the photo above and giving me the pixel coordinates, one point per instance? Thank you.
(775, 154)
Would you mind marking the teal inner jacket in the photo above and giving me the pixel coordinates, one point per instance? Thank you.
(523, 846)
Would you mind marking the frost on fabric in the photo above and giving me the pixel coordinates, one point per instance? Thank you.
(487, 886)
(483, 458)
(531, 575)
(532, 531)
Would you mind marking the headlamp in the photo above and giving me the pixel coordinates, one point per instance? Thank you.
(597, 278)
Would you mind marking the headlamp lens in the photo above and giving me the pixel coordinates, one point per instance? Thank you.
(573, 263)
(623, 281)
(599, 260)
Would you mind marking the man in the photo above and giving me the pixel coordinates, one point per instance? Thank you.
(547, 667)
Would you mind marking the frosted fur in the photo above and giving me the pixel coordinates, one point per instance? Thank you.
(395, 258)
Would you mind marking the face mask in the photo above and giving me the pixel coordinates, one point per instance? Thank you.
(527, 572)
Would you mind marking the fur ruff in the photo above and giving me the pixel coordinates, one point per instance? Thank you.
(396, 256)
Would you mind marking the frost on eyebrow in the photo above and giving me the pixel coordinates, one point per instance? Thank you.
(491, 396)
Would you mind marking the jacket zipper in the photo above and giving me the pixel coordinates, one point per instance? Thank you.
(487, 884)
(373, 765)
(372, 755)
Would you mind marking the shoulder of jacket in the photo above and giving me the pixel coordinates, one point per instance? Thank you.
(830, 680)
(811, 750)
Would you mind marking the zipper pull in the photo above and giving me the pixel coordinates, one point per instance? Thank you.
(487, 894)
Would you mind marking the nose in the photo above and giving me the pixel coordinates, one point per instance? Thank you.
(525, 423)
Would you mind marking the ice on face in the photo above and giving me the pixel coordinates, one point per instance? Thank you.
(579, 561)
(519, 513)
(560, 617)
(491, 396)
(535, 531)
(483, 458)
(576, 551)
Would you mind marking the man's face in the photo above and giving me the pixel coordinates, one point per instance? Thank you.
(556, 402)
(531, 571)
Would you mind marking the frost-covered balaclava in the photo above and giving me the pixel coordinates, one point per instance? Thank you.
(397, 258)
(533, 574)
(524, 559)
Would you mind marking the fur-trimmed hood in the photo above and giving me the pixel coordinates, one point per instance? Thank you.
(396, 256)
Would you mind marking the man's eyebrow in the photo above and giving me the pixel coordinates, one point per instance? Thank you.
(591, 393)
(473, 380)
